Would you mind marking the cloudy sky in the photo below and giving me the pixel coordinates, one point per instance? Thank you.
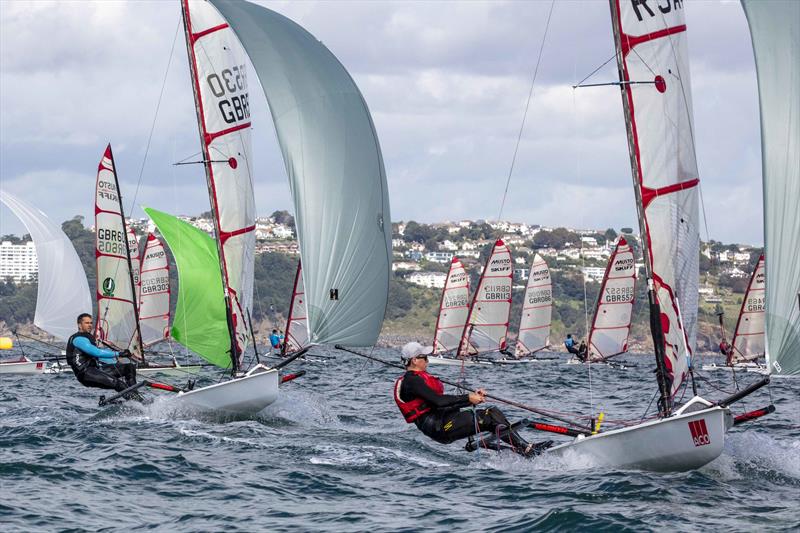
(446, 83)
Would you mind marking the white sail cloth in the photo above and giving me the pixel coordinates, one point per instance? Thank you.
(748, 337)
(537, 310)
(335, 169)
(220, 74)
(453, 309)
(155, 290)
(775, 32)
(611, 324)
(63, 291)
(297, 322)
(653, 49)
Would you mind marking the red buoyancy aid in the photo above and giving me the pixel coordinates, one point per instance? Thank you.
(417, 407)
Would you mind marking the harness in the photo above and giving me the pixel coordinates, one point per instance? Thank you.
(417, 407)
(79, 361)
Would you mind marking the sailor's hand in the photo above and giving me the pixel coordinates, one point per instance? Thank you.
(477, 397)
(125, 353)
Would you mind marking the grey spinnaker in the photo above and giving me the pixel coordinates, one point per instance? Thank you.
(335, 169)
(775, 32)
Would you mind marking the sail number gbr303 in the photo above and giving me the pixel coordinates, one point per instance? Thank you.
(230, 89)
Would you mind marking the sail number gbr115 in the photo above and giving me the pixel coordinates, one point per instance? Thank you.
(229, 86)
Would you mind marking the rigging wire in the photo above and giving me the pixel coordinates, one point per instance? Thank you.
(525, 114)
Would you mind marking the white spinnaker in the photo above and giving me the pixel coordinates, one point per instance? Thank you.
(653, 49)
(297, 322)
(612, 315)
(537, 310)
(487, 326)
(775, 32)
(748, 337)
(133, 246)
(219, 77)
(155, 290)
(116, 316)
(62, 291)
(453, 309)
(336, 174)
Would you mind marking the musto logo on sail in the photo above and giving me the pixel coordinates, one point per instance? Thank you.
(108, 287)
(107, 190)
(699, 432)
(497, 292)
(500, 265)
(623, 264)
(224, 86)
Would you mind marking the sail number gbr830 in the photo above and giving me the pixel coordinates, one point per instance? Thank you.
(230, 89)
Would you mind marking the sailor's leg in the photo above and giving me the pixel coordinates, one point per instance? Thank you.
(96, 377)
(128, 371)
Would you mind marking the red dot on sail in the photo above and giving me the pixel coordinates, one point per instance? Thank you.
(232, 162)
(661, 84)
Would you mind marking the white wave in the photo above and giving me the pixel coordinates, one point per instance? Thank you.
(367, 455)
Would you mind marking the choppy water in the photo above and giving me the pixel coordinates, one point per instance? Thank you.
(333, 454)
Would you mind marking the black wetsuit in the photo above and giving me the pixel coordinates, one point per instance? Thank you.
(92, 373)
(446, 422)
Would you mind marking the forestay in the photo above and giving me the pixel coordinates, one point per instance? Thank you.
(652, 47)
(62, 289)
(200, 321)
(335, 169)
(487, 326)
(296, 323)
(612, 315)
(219, 78)
(116, 298)
(775, 32)
(155, 291)
(537, 310)
(453, 309)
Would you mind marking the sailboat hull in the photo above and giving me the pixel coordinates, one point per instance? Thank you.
(240, 396)
(681, 442)
(24, 367)
(452, 361)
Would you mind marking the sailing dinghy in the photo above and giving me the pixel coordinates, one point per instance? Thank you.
(611, 323)
(62, 288)
(748, 337)
(296, 328)
(453, 311)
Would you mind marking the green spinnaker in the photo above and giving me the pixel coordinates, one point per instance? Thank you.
(200, 321)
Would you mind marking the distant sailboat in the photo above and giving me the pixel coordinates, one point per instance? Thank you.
(62, 288)
(537, 311)
(611, 323)
(297, 321)
(487, 324)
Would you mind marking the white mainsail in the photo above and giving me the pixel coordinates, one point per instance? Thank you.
(453, 309)
(136, 266)
(775, 32)
(155, 291)
(651, 43)
(297, 321)
(62, 291)
(116, 295)
(748, 337)
(219, 81)
(335, 169)
(611, 324)
(487, 326)
(537, 310)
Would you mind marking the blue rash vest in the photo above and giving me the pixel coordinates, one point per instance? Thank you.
(107, 357)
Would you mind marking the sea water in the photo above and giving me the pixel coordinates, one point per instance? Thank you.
(334, 454)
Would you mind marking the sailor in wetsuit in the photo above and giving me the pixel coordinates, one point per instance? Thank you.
(421, 399)
(97, 367)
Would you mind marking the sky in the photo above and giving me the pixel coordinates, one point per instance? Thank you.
(446, 83)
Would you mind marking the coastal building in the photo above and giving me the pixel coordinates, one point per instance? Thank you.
(594, 273)
(18, 261)
(433, 280)
(439, 257)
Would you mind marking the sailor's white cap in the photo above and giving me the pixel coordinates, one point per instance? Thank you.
(413, 349)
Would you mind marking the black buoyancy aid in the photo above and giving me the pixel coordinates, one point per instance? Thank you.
(75, 357)
(417, 407)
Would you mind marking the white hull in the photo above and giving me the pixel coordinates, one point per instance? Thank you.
(684, 441)
(523, 361)
(451, 361)
(740, 367)
(24, 367)
(240, 396)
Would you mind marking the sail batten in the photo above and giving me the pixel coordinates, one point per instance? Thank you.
(775, 33)
(453, 309)
(652, 48)
(62, 287)
(335, 169)
(487, 326)
(611, 323)
(537, 310)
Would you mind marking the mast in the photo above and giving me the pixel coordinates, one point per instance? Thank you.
(665, 400)
(128, 256)
(187, 26)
